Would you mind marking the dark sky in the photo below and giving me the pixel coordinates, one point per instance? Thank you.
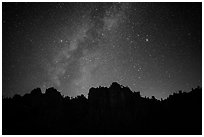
(155, 48)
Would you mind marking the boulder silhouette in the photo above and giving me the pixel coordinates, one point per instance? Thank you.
(113, 110)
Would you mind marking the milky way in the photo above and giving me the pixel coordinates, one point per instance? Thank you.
(154, 48)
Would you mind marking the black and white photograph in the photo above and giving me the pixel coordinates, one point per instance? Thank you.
(101, 68)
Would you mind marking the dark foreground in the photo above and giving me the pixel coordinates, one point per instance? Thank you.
(115, 110)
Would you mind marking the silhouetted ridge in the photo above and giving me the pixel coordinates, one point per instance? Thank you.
(113, 110)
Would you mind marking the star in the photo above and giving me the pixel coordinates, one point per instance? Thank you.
(75, 46)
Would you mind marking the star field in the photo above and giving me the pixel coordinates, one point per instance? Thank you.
(155, 48)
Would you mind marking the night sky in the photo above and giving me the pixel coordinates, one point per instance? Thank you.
(155, 48)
